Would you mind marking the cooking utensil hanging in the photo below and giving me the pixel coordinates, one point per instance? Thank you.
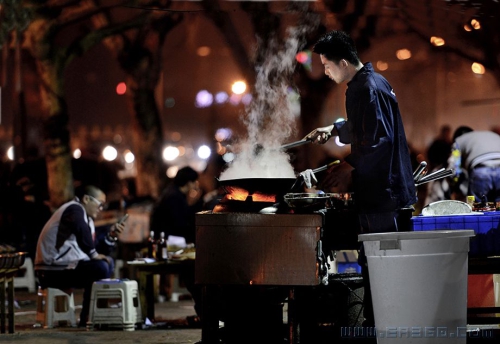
(435, 176)
(419, 172)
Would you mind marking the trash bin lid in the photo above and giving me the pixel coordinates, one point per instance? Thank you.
(434, 234)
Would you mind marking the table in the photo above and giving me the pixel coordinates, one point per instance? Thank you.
(144, 272)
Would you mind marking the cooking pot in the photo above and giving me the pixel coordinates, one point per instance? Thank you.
(270, 186)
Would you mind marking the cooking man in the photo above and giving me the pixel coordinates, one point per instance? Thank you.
(379, 169)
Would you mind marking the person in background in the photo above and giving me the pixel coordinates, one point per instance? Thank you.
(69, 252)
(439, 150)
(437, 158)
(174, 214)
(477, 153)
(379, 168)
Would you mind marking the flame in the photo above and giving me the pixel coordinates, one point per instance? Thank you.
(238, 194)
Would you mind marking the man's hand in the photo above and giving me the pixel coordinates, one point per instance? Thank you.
(338, 178)
(116, 229)
(102, 257)
(320, 135)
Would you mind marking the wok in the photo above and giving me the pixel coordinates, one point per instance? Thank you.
(270, 186)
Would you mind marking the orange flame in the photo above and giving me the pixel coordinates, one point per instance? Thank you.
(238, 194)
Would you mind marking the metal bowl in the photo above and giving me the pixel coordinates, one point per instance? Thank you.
(18, 259)
(7, 260)
(12, 260)
(305, 200)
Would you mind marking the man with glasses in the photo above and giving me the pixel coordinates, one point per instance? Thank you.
(69, 252)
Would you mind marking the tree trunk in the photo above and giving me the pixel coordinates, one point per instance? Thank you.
(56, 133)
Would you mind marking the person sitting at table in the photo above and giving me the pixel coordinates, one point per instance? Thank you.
(174, 214)
(69, 252)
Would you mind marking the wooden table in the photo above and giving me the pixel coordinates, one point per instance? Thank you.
(144, 273)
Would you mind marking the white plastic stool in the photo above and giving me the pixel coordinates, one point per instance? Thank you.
(115, 303)
(28, 279)
(55, 306)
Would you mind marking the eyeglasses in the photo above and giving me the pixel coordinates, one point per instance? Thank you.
(100, 204)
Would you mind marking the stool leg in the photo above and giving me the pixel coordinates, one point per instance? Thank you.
(2, 304)
(40, 306)
(10, 293)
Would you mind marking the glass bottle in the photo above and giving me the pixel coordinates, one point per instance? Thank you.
(151, 245)
(161, 246)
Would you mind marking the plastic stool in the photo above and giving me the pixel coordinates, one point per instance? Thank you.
(55, 306)
(28, 279)
(115, 303)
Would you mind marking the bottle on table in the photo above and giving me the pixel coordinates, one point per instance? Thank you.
(161, 246)
(151, 245)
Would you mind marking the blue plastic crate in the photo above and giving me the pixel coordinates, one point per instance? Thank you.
(348, 268)
(486, 227)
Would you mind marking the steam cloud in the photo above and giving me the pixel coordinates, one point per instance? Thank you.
(269, 118)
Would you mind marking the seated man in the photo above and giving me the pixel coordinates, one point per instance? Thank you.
(69, 254)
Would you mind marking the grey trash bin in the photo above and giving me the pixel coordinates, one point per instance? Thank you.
(419, 285)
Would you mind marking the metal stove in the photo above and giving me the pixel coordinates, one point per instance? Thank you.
(250, 263)
(258, 249)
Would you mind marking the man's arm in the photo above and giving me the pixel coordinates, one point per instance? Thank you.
(73, 222)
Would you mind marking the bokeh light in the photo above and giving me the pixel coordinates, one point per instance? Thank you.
(204, 152)
(128, 156)
(403, 54)
(239, 87)
(77, 153)
(121, 88)
(10, 153)
(478, 68)
(170, 153)
(172, 171)
(304, 58)
(109, 153)
(223, 134)
(204, 99)
(221, 97)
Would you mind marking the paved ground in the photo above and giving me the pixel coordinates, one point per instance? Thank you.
(170, 328)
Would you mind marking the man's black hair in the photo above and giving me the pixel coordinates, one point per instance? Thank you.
(337, 45)
(461, 130)
(90, 190)
(185, 175)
